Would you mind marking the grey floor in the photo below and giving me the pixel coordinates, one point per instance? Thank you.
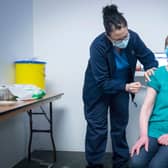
(43, 159)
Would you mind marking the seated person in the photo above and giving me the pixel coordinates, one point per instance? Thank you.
(151, 149)
(166, 46)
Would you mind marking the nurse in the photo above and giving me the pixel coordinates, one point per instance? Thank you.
(109, 79)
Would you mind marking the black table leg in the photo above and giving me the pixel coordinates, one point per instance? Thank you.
(51, 132)
(31, 132)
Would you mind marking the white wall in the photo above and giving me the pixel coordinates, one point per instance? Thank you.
(63, 31)
(16, 41)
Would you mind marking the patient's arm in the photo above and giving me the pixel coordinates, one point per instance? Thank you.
(145, 113)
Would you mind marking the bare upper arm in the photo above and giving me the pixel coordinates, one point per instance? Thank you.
(150, 97)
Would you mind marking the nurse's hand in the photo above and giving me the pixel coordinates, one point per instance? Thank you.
(133, 87)
(163, 140)
(148, 73)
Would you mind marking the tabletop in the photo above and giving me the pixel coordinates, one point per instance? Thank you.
(22, 106)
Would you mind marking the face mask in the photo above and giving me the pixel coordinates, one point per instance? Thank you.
(121, 43)
(166, 51)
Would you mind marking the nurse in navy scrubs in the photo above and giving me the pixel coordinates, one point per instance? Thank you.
(109, 79)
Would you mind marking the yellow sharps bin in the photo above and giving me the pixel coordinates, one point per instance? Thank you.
(30, 72)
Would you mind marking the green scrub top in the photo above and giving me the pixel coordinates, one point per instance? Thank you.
(158, 122)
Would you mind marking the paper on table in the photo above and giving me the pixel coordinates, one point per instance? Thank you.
(23, 92)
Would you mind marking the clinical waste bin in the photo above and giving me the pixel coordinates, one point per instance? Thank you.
(30, 72)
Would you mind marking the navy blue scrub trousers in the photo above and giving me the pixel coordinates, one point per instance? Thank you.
(97, 128)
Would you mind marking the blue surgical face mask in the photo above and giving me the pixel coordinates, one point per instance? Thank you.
(122, 43)
(166, 51)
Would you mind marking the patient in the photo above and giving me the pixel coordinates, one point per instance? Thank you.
(151, 149)
(166, 46)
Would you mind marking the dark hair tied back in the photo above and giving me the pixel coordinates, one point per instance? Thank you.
(113, 19)
(110, 10)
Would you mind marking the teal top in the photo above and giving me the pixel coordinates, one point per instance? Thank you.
(158, 122)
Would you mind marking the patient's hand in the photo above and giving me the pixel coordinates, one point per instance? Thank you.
(142, 141)
(163, 140)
